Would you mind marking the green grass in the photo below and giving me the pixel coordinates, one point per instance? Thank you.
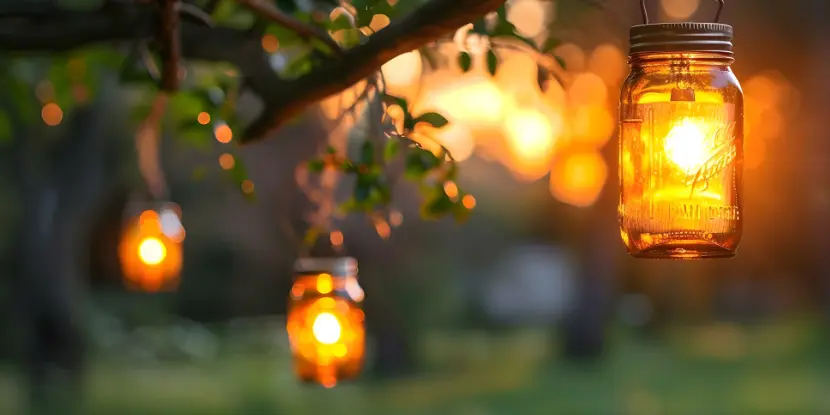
(717, 369)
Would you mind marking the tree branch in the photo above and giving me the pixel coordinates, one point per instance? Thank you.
(59, 30)
(267, 11)
(427, 24)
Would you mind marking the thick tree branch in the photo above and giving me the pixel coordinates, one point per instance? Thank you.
(429, 23)
(58, 30)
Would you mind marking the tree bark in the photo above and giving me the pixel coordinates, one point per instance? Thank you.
(60, 182)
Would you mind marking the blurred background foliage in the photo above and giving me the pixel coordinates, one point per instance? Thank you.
(530, 307)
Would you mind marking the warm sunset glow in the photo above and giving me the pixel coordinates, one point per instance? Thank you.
(688, 145)
(403, 70)
(473, 99)
(528, 16)
(579, 178)
(532, 136)
(326, 328)
(152, 251)
(458, 139)
(588, 89)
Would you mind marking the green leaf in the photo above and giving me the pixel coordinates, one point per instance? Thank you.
(551, 44)
(460, 212)
(367, 153)
(194, 134)
(341, 22)
(392, 148)
(561, 62)
(480, 27)
(492, 62)
(408, 122)
(438, 205)
(433, 118)
(331, 150)
(316, 166)
(465, 61)
(419, 162)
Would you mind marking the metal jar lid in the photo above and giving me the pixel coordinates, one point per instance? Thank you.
(681, 37)
(337, 266)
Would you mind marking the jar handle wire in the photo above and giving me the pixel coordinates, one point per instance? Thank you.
(644, 12)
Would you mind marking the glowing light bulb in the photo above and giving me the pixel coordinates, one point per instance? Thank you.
(687, 145)
(152, 251)
(326, 328)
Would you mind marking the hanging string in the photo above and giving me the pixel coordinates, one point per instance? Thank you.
(147, 141)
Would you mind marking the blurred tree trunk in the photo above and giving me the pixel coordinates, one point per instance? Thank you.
(60, 179)
(599, 248)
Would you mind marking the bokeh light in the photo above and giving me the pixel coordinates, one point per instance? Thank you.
(226, 161)
(52, 114)
(588, 89)
(679, 9)
(223, 133)
(609, 63)
(403, 70)
(578, 178)
(573, 55)
(270, 43)
(529, 17)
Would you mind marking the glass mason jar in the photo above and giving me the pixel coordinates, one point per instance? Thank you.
(325, 322)
(681, 143)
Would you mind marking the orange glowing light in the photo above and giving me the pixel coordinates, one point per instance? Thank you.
(469, 201)
(578, 178)
(404, 69)
(270, 43)
(247, 186)
(52, 114)
(451, 189)
(203, 118)
(150, 259)
(688, 144)
(226, 161)
(326, 327)
(223, 133)
(151, 251)
(336, 238)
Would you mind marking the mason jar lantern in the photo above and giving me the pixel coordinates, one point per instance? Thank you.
(681, 142)
(325, 322)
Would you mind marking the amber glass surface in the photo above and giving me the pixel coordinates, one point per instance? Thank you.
(681, 156)
(150, 260)
(326, 328)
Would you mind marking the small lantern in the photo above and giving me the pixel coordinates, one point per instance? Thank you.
(681, 142)
(325, 322)
(151, 250)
